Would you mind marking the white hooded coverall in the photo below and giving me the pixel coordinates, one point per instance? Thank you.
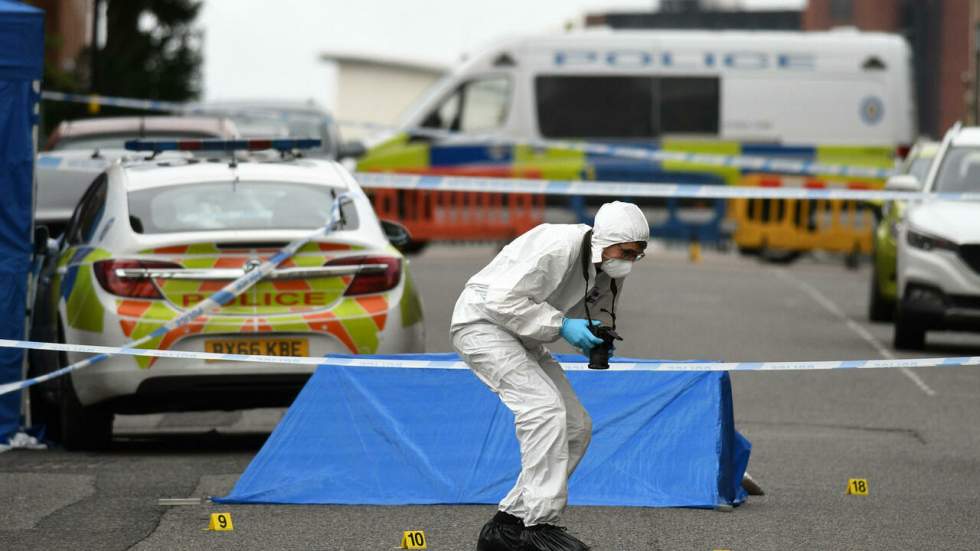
(501, 320)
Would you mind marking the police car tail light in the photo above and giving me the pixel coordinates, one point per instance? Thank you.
(375, 273)
(130, 278)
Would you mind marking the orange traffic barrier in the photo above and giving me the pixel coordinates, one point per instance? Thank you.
(798, 225)
(459, 215)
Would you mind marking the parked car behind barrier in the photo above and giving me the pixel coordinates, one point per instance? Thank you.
(881, 301)
(78, 150)
(151, 239)
(939, 248)
(281, 118)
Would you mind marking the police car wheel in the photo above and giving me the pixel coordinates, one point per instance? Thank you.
(83, 427)
(44, 412)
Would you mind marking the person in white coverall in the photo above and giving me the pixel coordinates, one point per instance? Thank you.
(531, 293)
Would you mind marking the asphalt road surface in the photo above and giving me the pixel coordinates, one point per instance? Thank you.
(914, 435)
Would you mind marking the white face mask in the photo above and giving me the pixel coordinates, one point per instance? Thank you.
(617, 267)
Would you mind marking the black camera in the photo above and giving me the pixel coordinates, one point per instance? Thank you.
(599, 355)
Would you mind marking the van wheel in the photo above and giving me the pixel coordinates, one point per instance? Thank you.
(908, 335)
(83, 427)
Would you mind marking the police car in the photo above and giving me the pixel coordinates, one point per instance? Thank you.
(939, 248)
(151, 239)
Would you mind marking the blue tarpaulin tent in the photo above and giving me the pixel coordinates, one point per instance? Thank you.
(21, 63)
(393, 436)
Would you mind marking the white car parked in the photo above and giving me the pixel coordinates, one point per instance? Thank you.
(939, 248)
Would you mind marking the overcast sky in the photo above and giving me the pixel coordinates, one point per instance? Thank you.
(269, 50)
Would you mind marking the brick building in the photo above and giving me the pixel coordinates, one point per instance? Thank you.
(67, 29)
(942, 35)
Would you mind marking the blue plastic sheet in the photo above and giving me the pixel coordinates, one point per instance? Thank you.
(394, 436)
(21, 62)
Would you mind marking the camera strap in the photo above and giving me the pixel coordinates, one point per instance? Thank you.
(586, 260)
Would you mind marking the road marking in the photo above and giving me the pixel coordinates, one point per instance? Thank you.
(856, 327)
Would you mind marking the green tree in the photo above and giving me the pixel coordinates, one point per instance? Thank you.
(151, 51)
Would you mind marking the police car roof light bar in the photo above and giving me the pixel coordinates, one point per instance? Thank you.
(280, 144)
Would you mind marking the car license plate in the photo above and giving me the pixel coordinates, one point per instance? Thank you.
(260, 347)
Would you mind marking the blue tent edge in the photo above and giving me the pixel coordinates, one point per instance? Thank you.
(21, 63)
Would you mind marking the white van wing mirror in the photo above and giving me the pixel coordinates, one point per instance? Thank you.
(903, 182)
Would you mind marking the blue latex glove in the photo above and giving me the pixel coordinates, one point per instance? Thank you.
(577, 333)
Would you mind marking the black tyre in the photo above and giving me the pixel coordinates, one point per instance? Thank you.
(908, 334)
(45, 397)
(879, 308)
(83, 427)
(44, 412)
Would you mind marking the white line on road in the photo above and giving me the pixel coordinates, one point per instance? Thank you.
(856, 327)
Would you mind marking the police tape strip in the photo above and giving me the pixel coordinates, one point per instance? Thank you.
(596, 188)
(392, 361)
(171, 107)
(218, 299)
(744, 162)
(751, 163)
(383, 180)
(128, 103)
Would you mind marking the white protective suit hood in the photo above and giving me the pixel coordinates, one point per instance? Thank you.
(617, 222)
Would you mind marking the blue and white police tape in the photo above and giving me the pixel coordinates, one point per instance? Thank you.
(751, 163)
(598, 188)
(178, 108)
(381, 180)
(408, 362)
(218, 299)
(744, 162)
(128, 103)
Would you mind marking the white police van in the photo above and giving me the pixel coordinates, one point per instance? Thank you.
(842, 95)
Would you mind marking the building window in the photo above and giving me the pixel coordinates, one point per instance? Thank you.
(841, 11)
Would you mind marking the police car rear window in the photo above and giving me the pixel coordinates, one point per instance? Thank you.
(214, 206)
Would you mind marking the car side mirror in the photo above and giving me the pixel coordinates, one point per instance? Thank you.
(352, 149)
(41, 236)
(903, 182)
(396, 233)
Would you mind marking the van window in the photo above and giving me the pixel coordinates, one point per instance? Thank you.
(689, 105)
(476, 105)
(627, 106)
(595, 107)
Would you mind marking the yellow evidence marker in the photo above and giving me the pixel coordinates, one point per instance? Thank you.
(220, 522)
(94, 105)
(857, 487)
(413, 539)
